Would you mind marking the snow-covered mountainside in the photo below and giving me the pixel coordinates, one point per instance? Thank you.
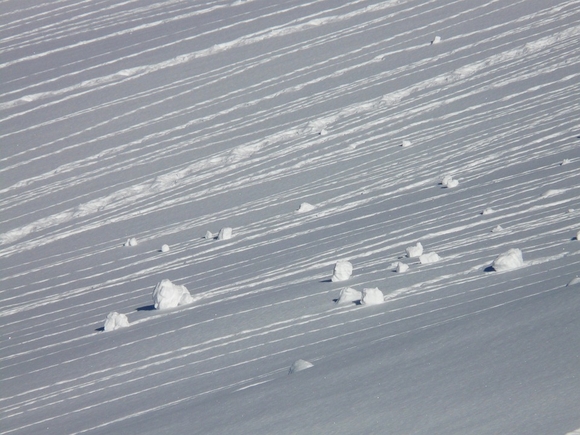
(289, 217)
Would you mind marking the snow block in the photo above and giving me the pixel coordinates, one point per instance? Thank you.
(497, 229)
(349, 294)
(578, 235)
(488, 210)
(169, 295)
(115, 321)
(342, 271)
(225, 233)
(406, 143)
(431, 257)
(400, 267)
(208, 235)
(415, 251)
(509, 260)
(436, 40)
(305, 208)
(574, 281)
(131, 242)
(372, 296)
(299, 365)
(165, 248)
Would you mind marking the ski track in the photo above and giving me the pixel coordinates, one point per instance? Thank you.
(157, 140)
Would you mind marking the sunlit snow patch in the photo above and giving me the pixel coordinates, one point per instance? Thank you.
(349, 294)
(415, 251)
(225, 233)
(169, 295)
(509, 260)
(430, 257)
(115, 321)
(299, 365)
(131, 242)
(342, 271)
(372, 296)
(305, 207)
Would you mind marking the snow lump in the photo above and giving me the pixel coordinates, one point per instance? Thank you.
(415, 251)
(509, 260)
(225, 233)
(132, 241)
(431, 257)
(169, 295)
(372, 296)
(349, 294)
(305, 207)
(299, 365)
(342, 271)
(115, 321)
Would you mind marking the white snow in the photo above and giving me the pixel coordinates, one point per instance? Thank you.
(132, 241)
(348, 294)
(372, 296)
(225, 233)
(114, 321)
(436, 40)
(574, 281)
(449, 182)
(414, 251)
(164, 248)
(399, 267)
(578, 235)
(163, 119)
(406, 143)
(305, 207)
(299, 365)
(169, 295)
(342, 271)
(509, 260)
(430, 257)
(487, 210)
(497, 229)
(208, 235)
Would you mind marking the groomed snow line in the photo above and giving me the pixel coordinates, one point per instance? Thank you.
(114, 321)
(342, 271)
(509, 260)
(169, 295)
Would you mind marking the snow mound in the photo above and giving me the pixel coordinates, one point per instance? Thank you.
(509, 260)
(553, 192)
(115, 321)
(574, 281)
(305, 207)
(132, 241)
(299, 365)
(488, 210)
(431, 257)
(497, 229)
(165, 248)
(415, 251)
(578, 235)
(399, 267)
(436, 40)
(372, 296)
(449, 182)
(406, 143)
(565, 162)
(342, 271)
(349, 294)
(169, 295)
(225, 233)
(323, 132)
(208, 235)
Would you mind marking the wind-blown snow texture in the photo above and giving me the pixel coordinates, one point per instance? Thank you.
(163, 120)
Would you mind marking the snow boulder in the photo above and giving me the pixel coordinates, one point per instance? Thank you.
(164, 248)
(342, 271)
(299, 365)
(415, 251)
(115, 321)
(225, 233)
(169, 295)
(132, 241)
(399, 267)
(305, 207)
(574, 281)
(208, 235)
(428, 258)
(349, 294)
(449, 182)
(509, 260)
(372, 296)
(487, 210)
(497, 229)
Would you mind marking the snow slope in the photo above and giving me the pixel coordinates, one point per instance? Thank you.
(165, 120)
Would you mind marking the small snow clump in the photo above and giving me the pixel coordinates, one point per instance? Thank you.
(415, 251)
(299, 365)
(225, 233)
(565, 162)
(372, 296)
(165, 248)
(169, 295)
(132, 241)
(305, 207)
(349, 294)
(574, 281)
(400, 267)
(578, 235)
(208, 235)
(323, 132)
(488, 210)
(431, 257)
(509, 260)
(115, 321)
(406, 143)
(497, 229)
(342, 271)
(449, 182)
(436, 40)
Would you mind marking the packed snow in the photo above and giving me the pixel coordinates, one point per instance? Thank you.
(151, 123)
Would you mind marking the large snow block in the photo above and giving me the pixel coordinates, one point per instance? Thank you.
(349, 294)
(372, 296)
(342, 271)
(431, 257)
(509, 260)
(169, 295)
(115, 321)
(415, 251)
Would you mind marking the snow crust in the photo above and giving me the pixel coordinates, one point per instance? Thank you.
(168, 295)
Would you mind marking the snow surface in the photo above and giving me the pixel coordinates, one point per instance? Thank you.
(162, 119)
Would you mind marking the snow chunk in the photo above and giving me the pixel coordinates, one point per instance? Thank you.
(488, 210)
(565, 162)
(399, 267)
(578, 235)
(431, 257)
(132, 241)
(169, 295)
(225, 233)
(349, 294)
(574, 281)
(406, 143)
(323, 132)
(299, 365)
(305, 207)
(497, 229)
(372, 296)
(449, 182)
(208, 235)
(553, 192)
(342, 271)
(415, 251)
(436, 40)
(115, 321)
(164, 248)
(509, 260)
